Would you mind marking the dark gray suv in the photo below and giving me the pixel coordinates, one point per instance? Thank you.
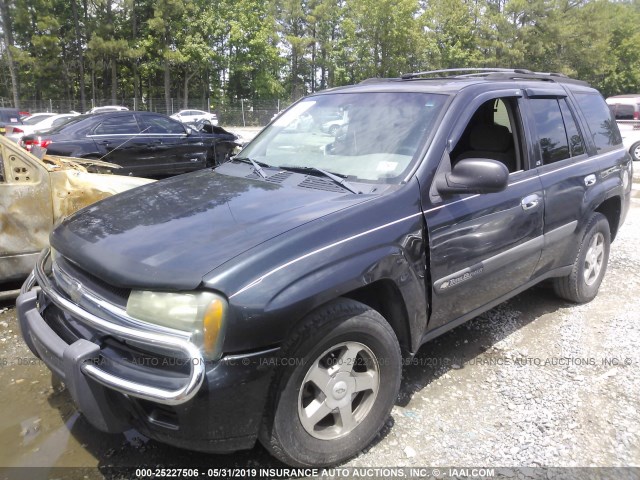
(273, 297)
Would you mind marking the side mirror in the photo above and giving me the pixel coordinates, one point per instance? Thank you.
(188, 130)
(474, 175)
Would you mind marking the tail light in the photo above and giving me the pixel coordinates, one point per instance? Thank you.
(29, 143)
(14, 130)
(636, 115)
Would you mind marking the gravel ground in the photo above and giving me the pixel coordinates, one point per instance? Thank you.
(533, 382)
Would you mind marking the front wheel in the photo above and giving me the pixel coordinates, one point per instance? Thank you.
(635, 151)
(590, 265)
(337, 384)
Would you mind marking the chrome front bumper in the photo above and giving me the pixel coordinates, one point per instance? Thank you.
(76, 361)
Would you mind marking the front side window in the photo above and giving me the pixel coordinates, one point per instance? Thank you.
(122, 124)
(1, 168)
(372, 137)
(600, 120)
(492, 133)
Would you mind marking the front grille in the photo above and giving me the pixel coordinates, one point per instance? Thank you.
(68, 276)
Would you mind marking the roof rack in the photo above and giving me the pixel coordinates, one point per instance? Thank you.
(497, 74)
(409, 76)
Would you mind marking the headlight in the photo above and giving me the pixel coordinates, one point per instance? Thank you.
(200, 313)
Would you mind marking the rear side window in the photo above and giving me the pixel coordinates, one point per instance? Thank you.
(122, 124)
(552, 136)
(576, 143)
(600, 120)
(158, 124)
(1, 169)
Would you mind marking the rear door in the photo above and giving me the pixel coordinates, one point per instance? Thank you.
(484, 246)
(569, 174)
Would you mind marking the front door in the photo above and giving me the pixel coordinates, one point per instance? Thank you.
(120, 140)
(484, 246)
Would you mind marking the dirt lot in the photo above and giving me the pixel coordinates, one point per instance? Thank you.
(535, 381)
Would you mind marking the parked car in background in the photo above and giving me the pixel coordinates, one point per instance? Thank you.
(108, 108)
(142, 143)
(626, 110)
(191, 116)
(9, 116)
(35, 195)
(36, 117)
(332, 127)
(16, 132)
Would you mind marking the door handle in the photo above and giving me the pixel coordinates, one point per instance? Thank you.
(590, 180)
(530, 201)
(104, 142)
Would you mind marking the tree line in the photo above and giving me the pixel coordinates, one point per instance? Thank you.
(226, 50)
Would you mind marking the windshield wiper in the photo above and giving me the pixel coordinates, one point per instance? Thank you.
(337, 179)
(256, 165)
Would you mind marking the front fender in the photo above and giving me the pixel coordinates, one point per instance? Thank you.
(342, 254)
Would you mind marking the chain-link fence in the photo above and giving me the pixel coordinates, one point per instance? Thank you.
(232, 113)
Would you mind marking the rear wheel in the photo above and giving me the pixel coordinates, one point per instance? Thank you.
(338, 382)
(590, 264)
(635, 151)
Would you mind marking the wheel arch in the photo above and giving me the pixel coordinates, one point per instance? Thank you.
(611, 208)
(384, 297)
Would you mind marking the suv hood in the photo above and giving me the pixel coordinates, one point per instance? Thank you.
(169, 234)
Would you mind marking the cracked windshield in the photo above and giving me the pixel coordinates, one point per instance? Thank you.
(369, 137)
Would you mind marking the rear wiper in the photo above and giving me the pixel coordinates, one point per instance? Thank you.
(337, 179)
(256, 165)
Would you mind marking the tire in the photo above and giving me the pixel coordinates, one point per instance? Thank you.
(590, 265)
(341, 344)
(333, 129)
(635, 151)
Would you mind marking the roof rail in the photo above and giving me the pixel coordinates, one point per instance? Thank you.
(497, 74)
(409, 76)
